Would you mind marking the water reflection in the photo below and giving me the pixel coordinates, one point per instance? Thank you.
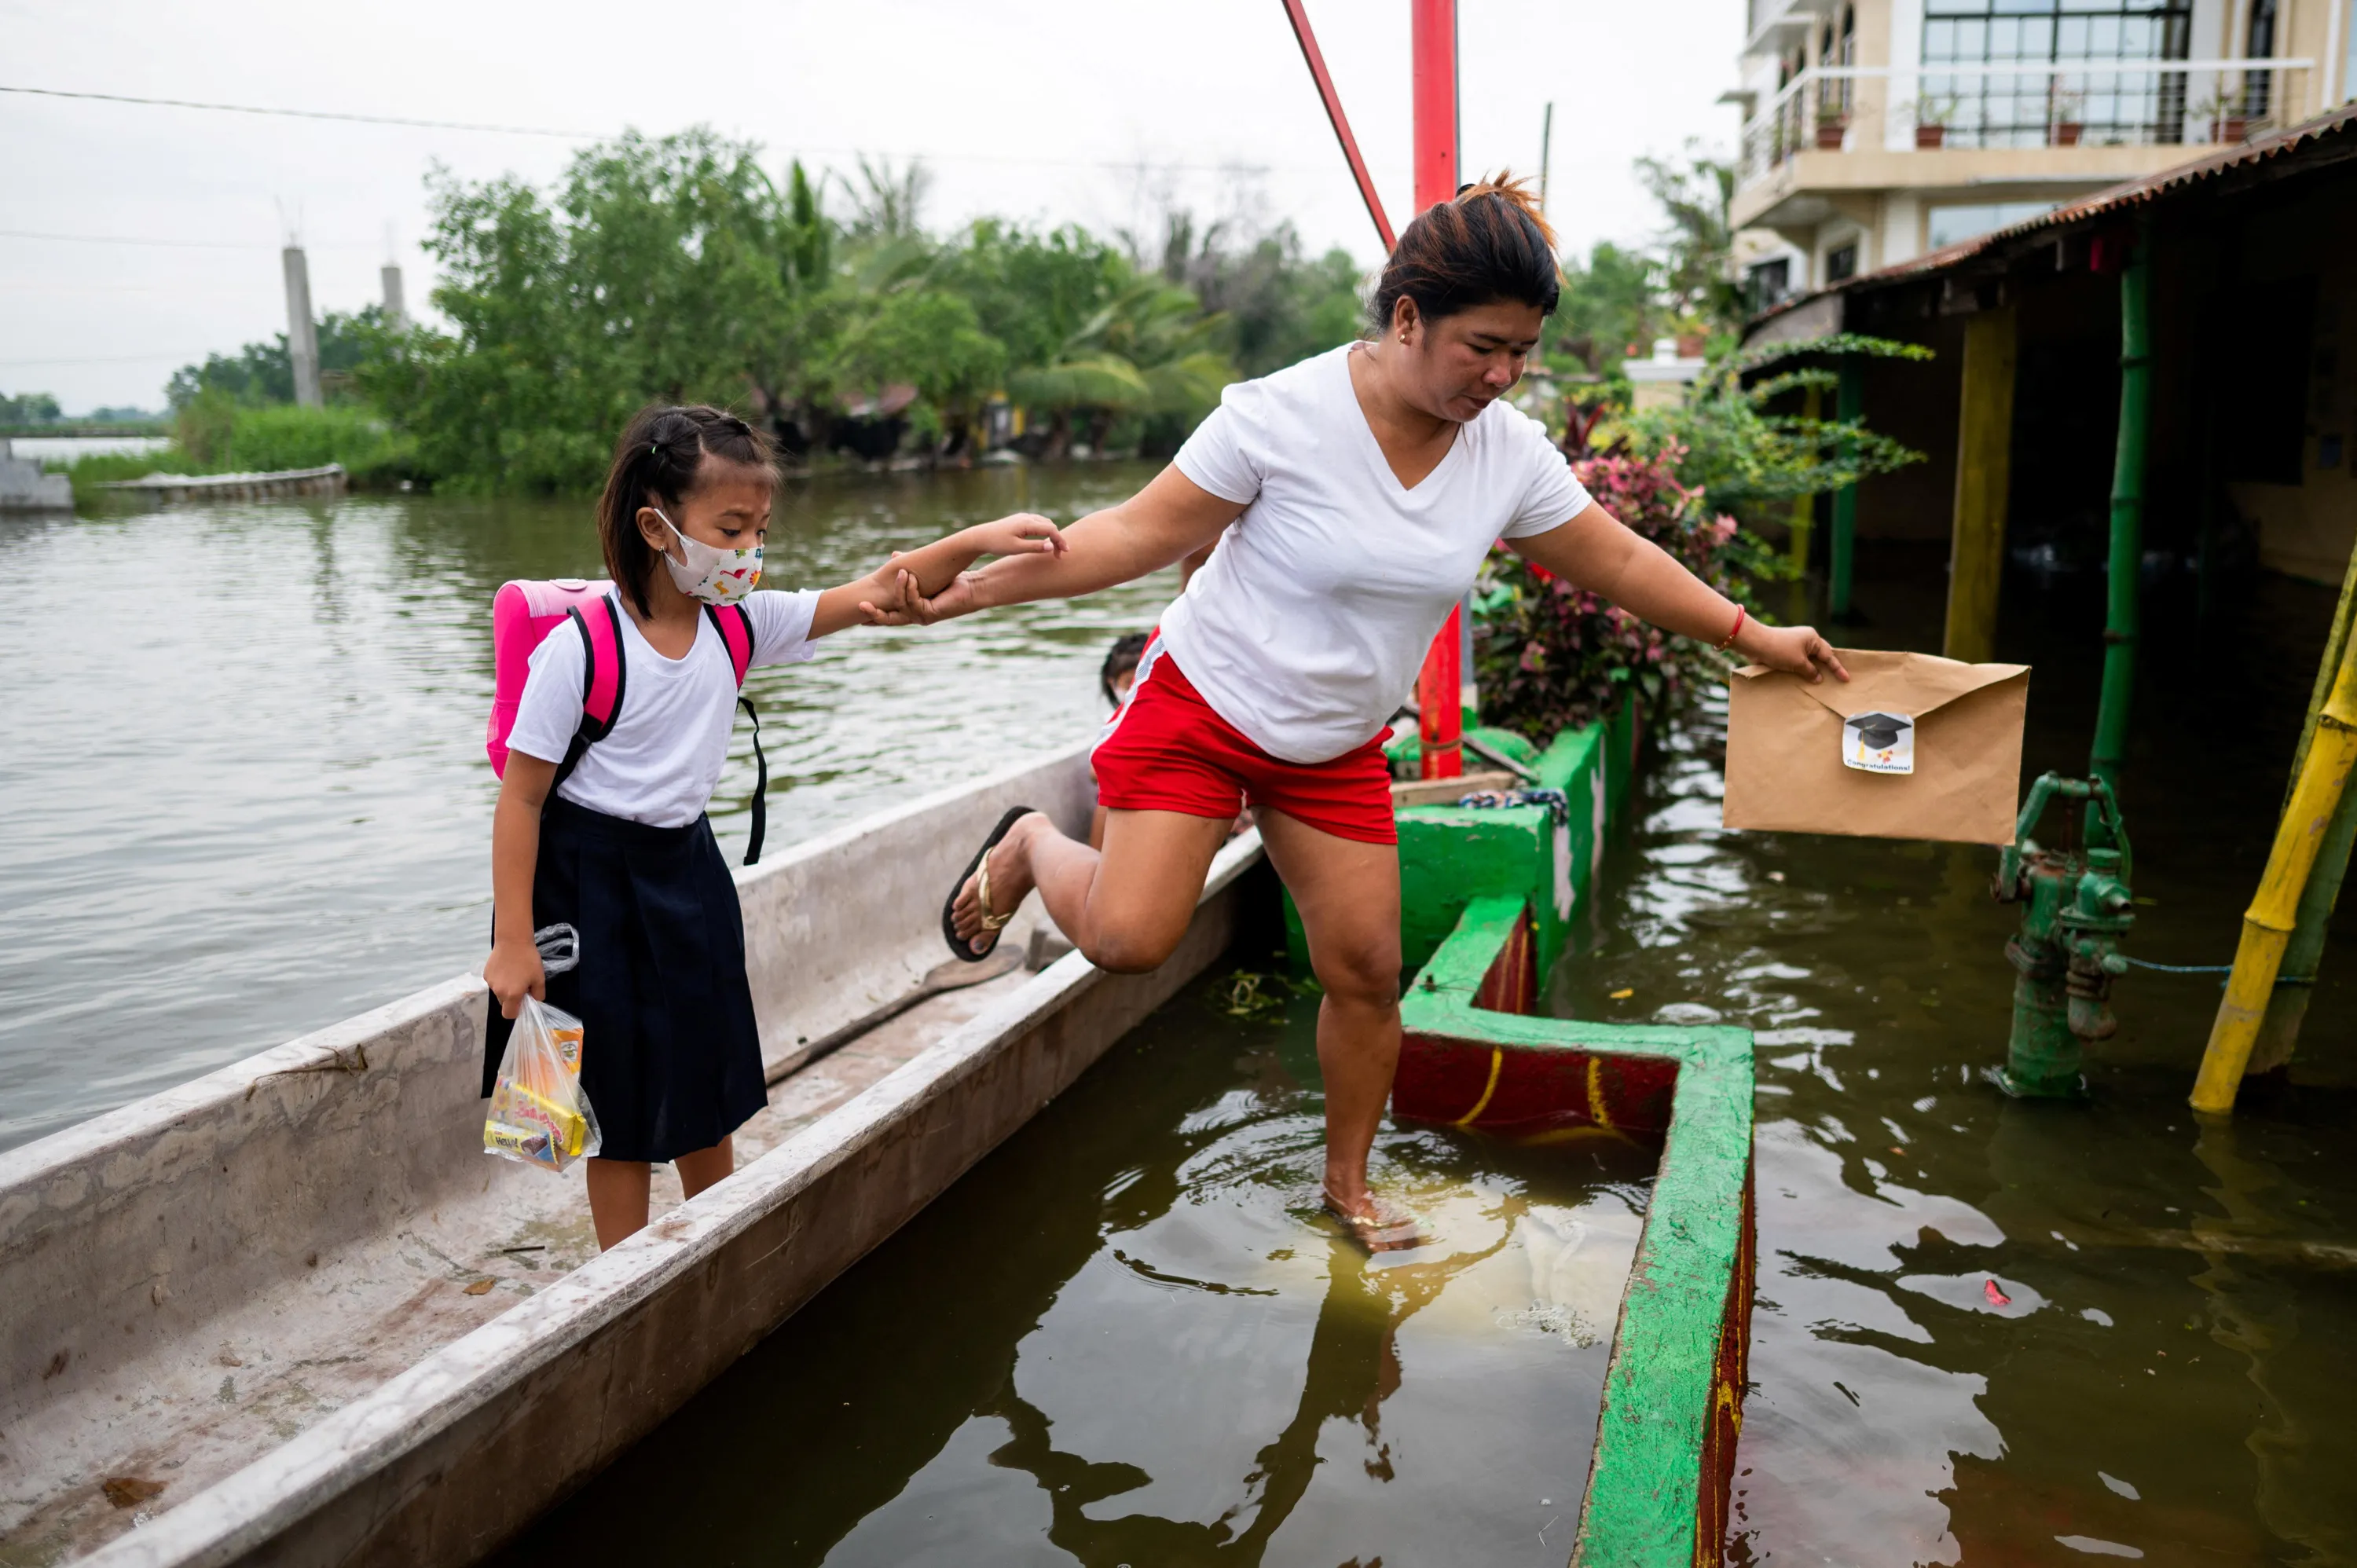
(1158, 1354)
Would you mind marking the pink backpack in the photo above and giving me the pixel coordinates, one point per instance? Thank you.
(523, 613)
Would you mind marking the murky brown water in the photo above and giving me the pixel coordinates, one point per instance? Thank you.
(1007, 1381)
(267, 809)
(1127, 1337)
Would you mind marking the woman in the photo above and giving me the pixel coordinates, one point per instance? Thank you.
(1364, 486)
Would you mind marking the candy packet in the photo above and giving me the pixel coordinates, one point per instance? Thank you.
(539, 1114)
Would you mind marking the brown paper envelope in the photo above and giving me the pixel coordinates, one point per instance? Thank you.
(1785, 737)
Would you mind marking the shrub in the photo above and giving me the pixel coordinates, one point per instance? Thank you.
(1550, 655)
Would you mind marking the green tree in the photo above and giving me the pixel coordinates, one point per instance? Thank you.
(264, 372)
(29, 408)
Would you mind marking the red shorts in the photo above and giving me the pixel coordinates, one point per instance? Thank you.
(1165, 750)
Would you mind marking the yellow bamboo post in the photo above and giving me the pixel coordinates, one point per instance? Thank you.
(1983, 472)
(1804, 506)
(2267, 924)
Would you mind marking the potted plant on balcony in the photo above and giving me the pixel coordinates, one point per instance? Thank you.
(1831, 125)
(2225, 115)
(1931, 117)
(2066, 126)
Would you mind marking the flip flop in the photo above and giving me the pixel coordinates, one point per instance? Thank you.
(979, 869)
(1387, 1228)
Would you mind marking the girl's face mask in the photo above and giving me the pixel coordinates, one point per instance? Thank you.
(708, 573)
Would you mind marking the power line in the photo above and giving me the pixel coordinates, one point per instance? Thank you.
(304, 114)
(1234, 167)
(117, 359)
(142, 240)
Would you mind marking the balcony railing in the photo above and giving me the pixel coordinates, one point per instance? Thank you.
(2020, 104)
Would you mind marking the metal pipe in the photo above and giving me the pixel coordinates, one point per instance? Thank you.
(1432, 32)
(1850, 407)
(2120, 628)
(1334, 115)
(2268, 924)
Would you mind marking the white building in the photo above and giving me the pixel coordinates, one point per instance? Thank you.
(1877, 130)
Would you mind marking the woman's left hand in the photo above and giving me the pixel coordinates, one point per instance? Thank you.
(1796, 650)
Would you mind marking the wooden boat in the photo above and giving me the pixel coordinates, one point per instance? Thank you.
(290, 1312)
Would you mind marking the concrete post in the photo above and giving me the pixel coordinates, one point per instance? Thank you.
(1983, 472)
(302, 331)
(396, 312)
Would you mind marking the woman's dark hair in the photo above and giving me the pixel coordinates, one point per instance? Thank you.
(1120, 659)
(660, 462)
(1490, 243)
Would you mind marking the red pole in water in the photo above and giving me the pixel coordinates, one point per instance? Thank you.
(1439, 694)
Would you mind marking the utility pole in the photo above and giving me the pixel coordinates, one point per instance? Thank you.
(1546, 151)
(302, 332)
(396, 308)
(1440, 696)
(396, 315)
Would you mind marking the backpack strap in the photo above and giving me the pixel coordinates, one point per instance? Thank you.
(736, 629)
(604, 677)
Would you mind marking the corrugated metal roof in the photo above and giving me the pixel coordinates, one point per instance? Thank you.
(2326, 138)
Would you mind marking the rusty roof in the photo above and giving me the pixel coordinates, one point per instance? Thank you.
(2328, 138)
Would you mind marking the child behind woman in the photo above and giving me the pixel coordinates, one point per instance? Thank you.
(609, 835)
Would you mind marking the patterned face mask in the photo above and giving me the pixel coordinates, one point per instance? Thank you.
(715, 576)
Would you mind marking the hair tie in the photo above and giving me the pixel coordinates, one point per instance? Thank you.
(654, 448)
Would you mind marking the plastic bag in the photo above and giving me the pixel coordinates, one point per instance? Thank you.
(539, 1114)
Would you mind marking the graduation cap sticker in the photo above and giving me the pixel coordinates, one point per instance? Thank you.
(1879, 743)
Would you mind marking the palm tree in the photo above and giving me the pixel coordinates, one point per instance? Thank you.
(1147, 351)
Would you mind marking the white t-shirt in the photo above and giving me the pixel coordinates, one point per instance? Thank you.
(1307, 628)
(663, 758)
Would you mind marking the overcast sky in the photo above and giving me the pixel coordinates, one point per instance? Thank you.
(1044, 110)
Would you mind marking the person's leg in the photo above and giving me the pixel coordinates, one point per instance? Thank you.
(1347, 894)
(1125, 907)
(706, 1166)
(617, 1198)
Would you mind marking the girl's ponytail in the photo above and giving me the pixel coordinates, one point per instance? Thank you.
(658, 462)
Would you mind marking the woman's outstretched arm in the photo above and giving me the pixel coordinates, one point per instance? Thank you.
(1170, 518)
(1595, 551)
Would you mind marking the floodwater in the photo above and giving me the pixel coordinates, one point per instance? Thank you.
(247, 798)
(1128, 1337)
(243, 789)
(1985, 1332)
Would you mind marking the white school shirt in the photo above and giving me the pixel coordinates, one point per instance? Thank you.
(663, 758)
(1305, 628)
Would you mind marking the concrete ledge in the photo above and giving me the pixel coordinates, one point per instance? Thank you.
(448, 1460)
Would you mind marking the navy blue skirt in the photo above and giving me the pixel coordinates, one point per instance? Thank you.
(670, 1055)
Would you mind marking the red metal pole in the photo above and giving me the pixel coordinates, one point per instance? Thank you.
(1333, 101)
(1439, 687)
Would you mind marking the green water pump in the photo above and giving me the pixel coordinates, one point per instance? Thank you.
(2077, 908)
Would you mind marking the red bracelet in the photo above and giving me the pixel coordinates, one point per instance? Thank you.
(1734, 631)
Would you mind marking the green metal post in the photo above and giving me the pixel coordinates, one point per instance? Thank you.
(1850, 407)
(2120, 627)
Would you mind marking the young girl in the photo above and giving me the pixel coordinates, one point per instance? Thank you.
(618, 844)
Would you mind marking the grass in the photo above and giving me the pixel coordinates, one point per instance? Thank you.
(220, 437)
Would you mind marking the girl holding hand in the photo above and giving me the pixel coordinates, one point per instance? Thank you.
(611, 836)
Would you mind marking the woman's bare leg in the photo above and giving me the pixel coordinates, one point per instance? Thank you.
(617, 1198)
(1347, 894)
(1125, 906)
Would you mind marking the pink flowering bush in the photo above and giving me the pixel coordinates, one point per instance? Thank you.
(1551, 655)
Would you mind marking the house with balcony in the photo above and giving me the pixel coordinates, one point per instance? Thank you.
(1878, 130)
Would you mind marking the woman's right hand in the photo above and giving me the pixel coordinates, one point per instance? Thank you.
(513, 971)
